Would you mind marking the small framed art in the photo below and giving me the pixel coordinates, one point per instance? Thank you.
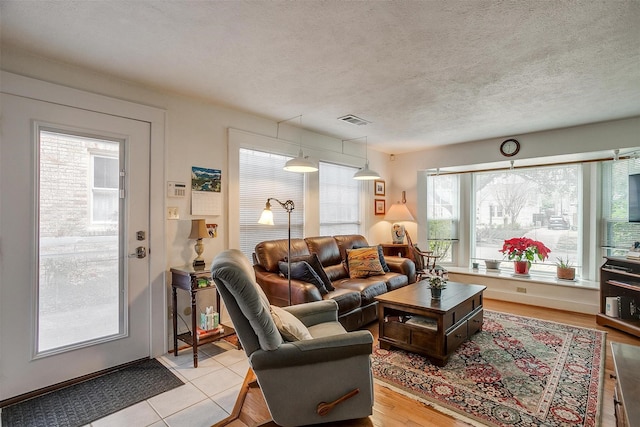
(379, 207)
(379, 188)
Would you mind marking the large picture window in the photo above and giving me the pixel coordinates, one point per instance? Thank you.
(542, 203)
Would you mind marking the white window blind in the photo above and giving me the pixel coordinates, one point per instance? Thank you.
(339, 200)
(262, 177)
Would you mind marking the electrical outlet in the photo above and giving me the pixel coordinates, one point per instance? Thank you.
(522, 290)
(187, 311)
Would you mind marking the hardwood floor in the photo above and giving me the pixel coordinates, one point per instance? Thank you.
(392, 409)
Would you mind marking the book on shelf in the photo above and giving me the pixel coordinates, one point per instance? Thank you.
(205, 333)
(423, 322)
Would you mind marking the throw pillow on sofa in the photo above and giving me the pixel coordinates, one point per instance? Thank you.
(316, 265)
(364, 262)
(385, 267)
(302, 270)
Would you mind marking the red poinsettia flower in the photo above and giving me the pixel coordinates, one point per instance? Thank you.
(525, 249)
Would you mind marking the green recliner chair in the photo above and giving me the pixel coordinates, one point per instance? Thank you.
(322, 378)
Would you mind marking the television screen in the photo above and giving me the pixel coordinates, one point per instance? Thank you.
(634, 198)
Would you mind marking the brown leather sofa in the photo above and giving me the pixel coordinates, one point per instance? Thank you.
(355, 297)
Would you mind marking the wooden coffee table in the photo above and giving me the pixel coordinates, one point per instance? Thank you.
(410, 319)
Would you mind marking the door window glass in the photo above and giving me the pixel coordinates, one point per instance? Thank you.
(79, 270)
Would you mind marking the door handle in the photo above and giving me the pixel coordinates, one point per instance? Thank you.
(141, 252)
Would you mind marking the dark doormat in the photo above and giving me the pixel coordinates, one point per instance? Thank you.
(82, 403)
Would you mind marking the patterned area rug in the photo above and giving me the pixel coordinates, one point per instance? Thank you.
(517, 371)
(82, 403)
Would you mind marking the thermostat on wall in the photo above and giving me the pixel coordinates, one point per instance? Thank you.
(176, 189)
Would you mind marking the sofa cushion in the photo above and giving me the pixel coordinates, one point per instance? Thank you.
(363, 262)
(347, 300)
(394, 280)
(302, 270)
(326, 248)
(270, 252)
(368, 288)
(290, 327)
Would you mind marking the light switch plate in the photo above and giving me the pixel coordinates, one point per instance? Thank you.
(172, 213)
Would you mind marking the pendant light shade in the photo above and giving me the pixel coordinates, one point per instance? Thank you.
(366, 174)
(300, 164)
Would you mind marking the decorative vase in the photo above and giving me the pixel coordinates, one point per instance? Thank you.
(521, 267)
(436, 293)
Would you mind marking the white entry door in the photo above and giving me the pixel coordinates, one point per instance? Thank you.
(74, 222)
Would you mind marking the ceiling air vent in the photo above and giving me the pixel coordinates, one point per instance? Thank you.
(354, 120)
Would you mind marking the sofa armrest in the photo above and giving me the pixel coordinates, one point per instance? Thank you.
(318, 350)
(315, 312)
(403, 266)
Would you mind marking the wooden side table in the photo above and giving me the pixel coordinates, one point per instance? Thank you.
(192, 281)
(395, 249)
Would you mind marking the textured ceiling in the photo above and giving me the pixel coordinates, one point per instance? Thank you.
(425, 73)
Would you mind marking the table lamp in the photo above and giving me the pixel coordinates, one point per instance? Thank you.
(198, 232)
(397, 213)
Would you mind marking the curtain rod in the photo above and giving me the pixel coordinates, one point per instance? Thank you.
(532, 166)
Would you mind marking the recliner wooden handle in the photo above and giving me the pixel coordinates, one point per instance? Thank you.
(324, 408)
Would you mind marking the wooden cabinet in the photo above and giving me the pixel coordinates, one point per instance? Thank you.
(620, 279)
(626, 361)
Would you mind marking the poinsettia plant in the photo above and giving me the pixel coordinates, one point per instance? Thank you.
(525, 249)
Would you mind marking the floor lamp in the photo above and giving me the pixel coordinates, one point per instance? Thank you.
(267, 219)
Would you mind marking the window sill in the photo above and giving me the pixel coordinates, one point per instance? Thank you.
(534, 278)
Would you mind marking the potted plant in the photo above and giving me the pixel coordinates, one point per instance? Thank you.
(492, 264)
(437, 282)
(523, 251)
(565, 270)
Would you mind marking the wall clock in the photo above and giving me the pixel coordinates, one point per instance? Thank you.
(509, 147)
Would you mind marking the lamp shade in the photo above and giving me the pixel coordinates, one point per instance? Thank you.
(266, 218)
(300, 164)
(398, 212)
(198, 229)
(366, 174)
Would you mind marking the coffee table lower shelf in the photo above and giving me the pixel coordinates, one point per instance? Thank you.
(436, 345)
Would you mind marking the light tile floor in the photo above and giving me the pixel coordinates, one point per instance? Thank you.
(208, 395)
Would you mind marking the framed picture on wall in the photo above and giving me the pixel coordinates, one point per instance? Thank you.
(379, 207)
(379, 188)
